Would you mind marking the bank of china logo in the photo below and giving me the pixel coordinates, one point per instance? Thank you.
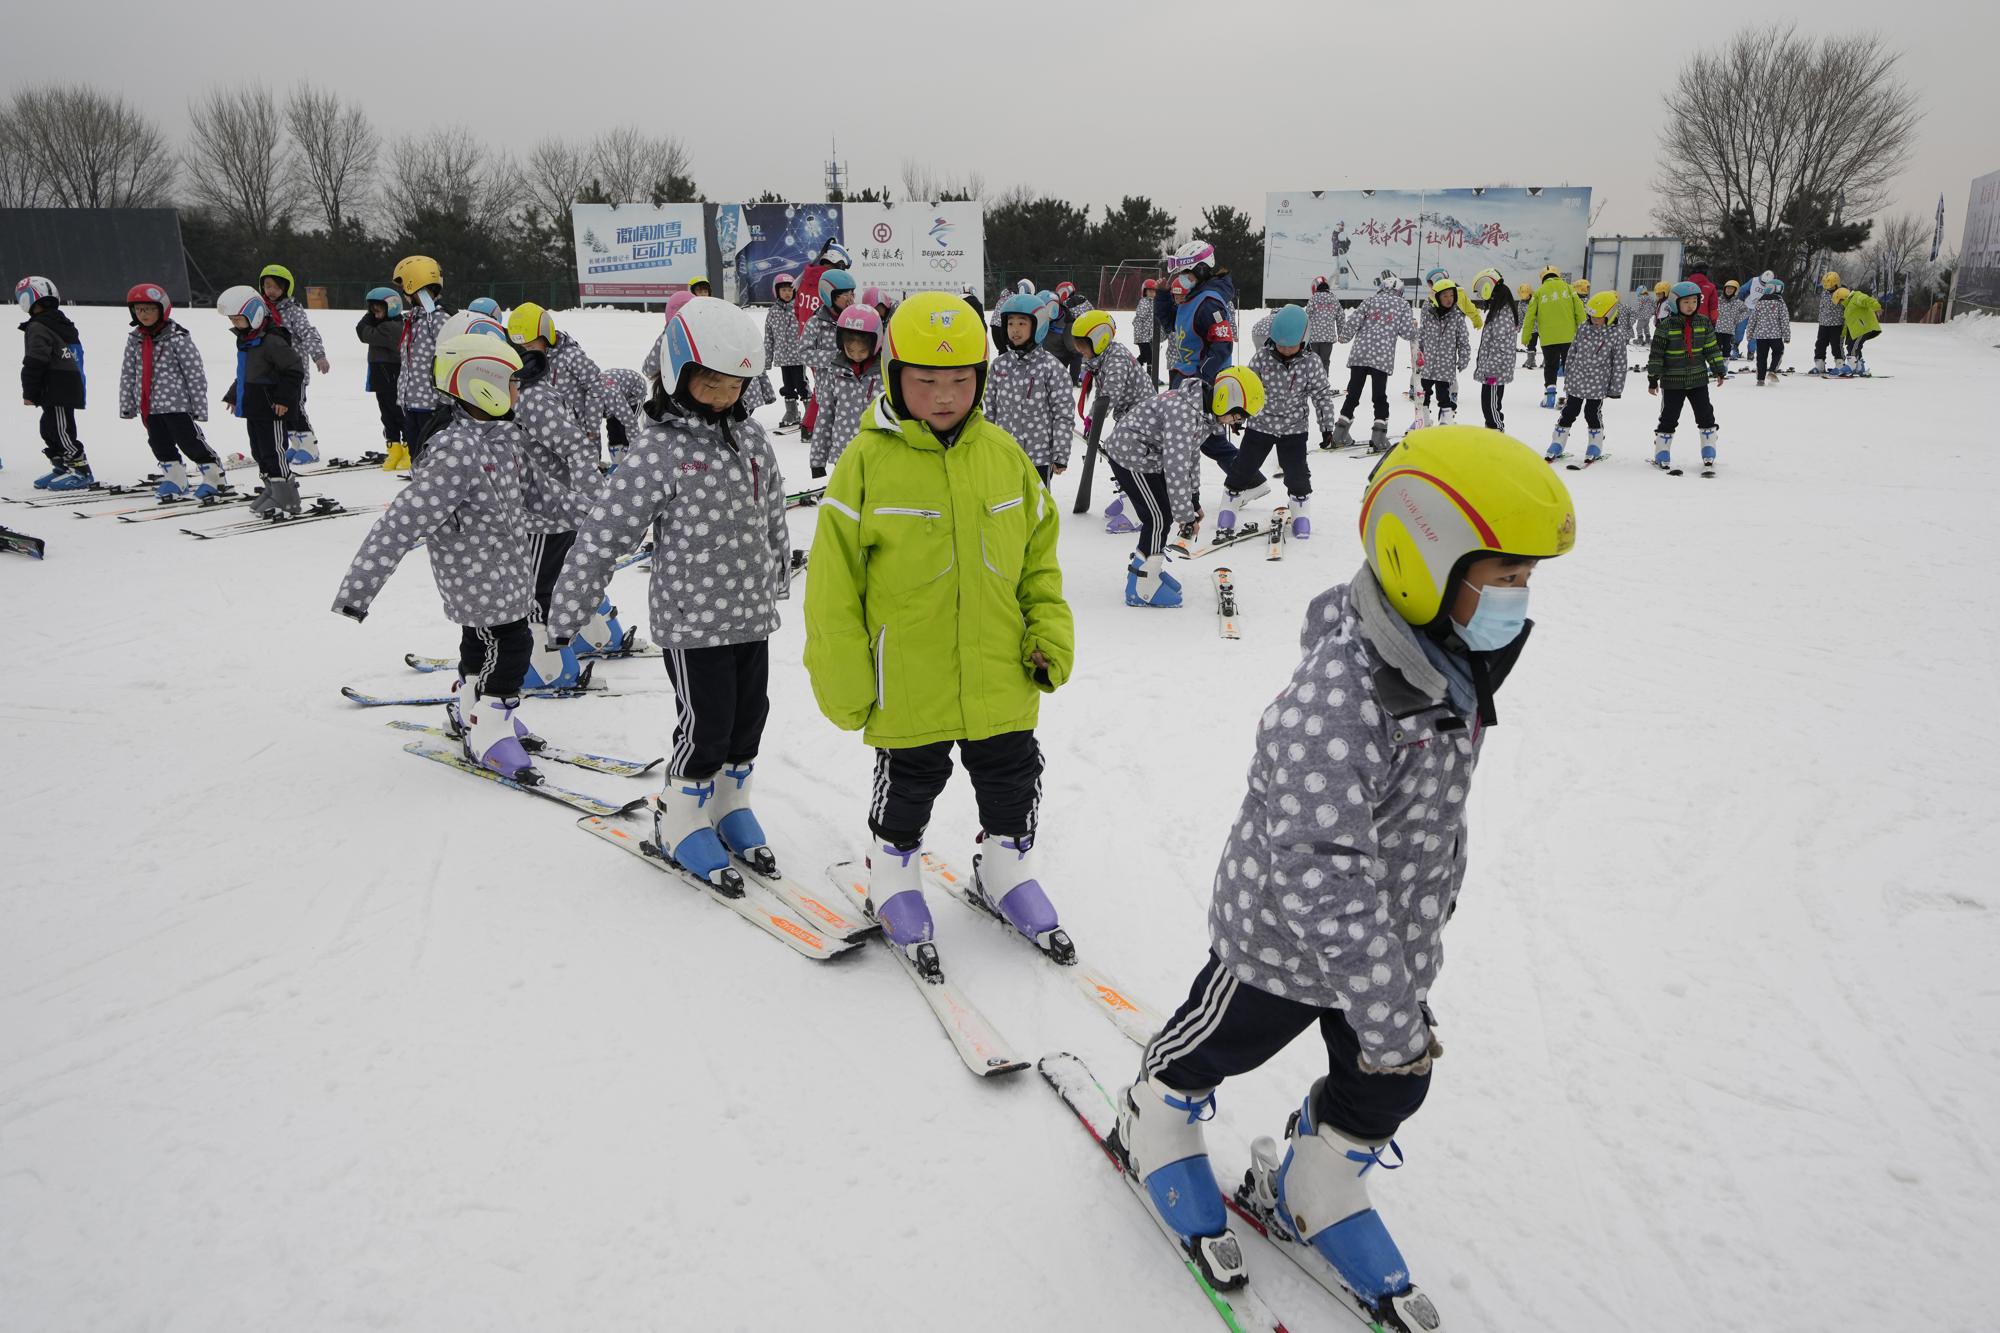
(941, 230)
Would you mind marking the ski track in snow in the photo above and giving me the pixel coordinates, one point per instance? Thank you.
(293, 1029)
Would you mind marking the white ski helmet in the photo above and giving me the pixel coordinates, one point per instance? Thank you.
(470, 321)
(1191, 255)
(713, 334)
(30, 290)
(244, 301)
(475, 369)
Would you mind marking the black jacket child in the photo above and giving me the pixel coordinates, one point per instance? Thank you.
(52, 370)
(268, 373)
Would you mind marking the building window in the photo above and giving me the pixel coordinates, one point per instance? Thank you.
(1646, 270)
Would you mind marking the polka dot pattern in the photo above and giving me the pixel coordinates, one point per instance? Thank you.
(1031, 398)
(1345, 860)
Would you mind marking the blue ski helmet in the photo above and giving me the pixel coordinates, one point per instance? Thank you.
(484, 305)
(1685, 289)
(1288, 326)
(832, 283)
(1020, 303)
(391, 299)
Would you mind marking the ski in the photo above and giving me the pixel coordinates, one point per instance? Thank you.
(1092, 442)
(342, 465)
(1411, 1312)
(1240, 1310)
(1130, 1015)
(556, 754)
(638, 557)
(798, 565)
(22, 543)
(576, 800)
(431, 664)
(279, 524)
(982, 1049)
(439, 700)
(1225, 603)
(804, 499)
(1223, 539)
(1585, 465)
(1670, 471)
(153, 513)
(96, 493)
(756, 905)
(160, 505)
(1280, 525)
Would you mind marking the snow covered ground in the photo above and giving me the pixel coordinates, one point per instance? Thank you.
(297, 1031)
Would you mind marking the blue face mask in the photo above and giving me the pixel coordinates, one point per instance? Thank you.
(1498, 619)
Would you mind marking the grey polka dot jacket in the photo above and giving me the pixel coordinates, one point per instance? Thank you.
(1031, 398)
(1165, 435)
(1445, 337)
(1597, 362)
(818, 347)
(1323, 318)
(1830, 312)
(1117, 381)
(1260, 332)
(1770, 318)
(712, 496)
(1347, 853)
(563, 452)
(844, 392)
(1142, 320)
(1498, 347)
(1378, 323)
(469, 500)
(180, 383)
(1733, 311)
(304, 336)
(578, 382)
(416, 383)
(626, 389)
(782, 345)
(1290, 388)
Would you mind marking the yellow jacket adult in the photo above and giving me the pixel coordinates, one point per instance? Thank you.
(1861, 314)
(933, 582)
(1554, 312)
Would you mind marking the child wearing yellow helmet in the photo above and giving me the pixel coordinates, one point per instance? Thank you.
(1294, 385)
(1832, 327)
(1593, 371)
(1861, 315)
(1730, 318)
(1553, 316)
(576, 380)
(1371, 744)
(1444, 348)
(935, 619)
(1113, 384)
(474, 487)
(1155, 454)
(275, 282)
(421, 283)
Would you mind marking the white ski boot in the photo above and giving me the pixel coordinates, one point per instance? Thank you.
(1663, 452)
(737, 825)
(1302, 524)
(1006, 884)
(173, 482)
(301, 446)
(212, 482)
(1559, 446)
(1159, 1141)
(1595, 449)
(487, 731)
(1708, 441)
(682, 831)
(1317, 1197)
(896, 901)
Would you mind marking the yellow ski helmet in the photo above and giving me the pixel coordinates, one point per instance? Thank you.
(417, 272)
(1830, 281)
(1581, 286)
(1096, 326)
(475, 368)
(1602, 304)
(1840, 295)
(1237, 389)
(527, 322)
(1549, 271)
(281, 273)
(1483, 283)
(1449, 494)
(1524, 291)
(1662, 287)
(1439, 288)
(935, 330)
(1730, 285)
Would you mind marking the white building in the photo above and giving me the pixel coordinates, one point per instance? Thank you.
(1626, 263)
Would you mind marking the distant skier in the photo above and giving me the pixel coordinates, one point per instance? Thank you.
(1832, 331)
(163, 383)
(782, 347)
(848, 386)
(1198, 315)
(275, 284)
(1552, 316)
(52, 380)
(1495, 367)
(819, 342)
(1730, 318)
(380, 329)
(1685, 357)
(1345, 860)
(1144, 326)
(1595, 370)
(1382, 319)
(1862, 314)
(1323, 322)
(1444, 343)
(1770, 330)
(1029, 394)
(421, 282)
(935, 618)
(265, 392)
(701, 478)
(1295, 385)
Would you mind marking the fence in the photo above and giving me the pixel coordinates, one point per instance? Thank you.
(553, 293)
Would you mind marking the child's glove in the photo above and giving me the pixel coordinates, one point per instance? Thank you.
(354, 613)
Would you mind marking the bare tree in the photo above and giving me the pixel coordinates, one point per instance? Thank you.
(922, 184)
(336, 153)
(237, 161)
(89, 150)
(20, 184)
(553, 176)
(630, 165)
(1771, 139)
(445, 171)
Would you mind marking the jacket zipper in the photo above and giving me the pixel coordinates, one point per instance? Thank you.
(914, 513)
(753, 480)
(881, 649)
(1014, 503)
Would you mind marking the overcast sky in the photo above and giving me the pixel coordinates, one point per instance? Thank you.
(1190, 104)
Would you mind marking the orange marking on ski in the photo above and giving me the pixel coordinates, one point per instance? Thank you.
(1112, 999)
(797, 931)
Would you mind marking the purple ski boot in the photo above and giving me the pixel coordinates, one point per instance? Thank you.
(490, 739)
(1116, 519)
(1006, 884)
(1302, 524)
(896, 899)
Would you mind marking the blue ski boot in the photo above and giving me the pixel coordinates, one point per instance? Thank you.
(173, 482)
(1595, 449)
(1549, 396)
(74, 479)
(1559, 445)
(1663, 451)
(1159, 1141)
(1708, 439)
(737, 825)
(555, 669)
(683, 833)
(603, 636)
(1147, 583)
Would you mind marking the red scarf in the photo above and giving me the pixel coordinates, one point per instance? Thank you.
(147, 337)
(1687, 333)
